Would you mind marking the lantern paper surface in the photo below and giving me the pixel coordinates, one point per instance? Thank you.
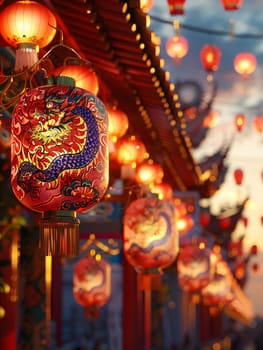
(150, 237)
(92, 282)
(193, 266)
(59, 149)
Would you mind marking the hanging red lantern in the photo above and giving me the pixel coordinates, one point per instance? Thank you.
(149, 173)
(150, 237)
(177, 47)
(238, 176)
(225, 223)
(255, 267)
(258, 123)
(59, 160)
(193, 265)
(231, 5)
(210, 56)
(27, 26)
(118, 122)
(163, 190)
(245, 63)
(234, 249)
(92, 284)
(130, 150)
(83, 75)
(204, 218)
(176, 7)
(240, 121)
(245, 221)
(254, 249)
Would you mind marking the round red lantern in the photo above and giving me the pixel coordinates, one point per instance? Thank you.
(150, 237)
(193, 265)
(130, 150)
(238, 176)
(225, 223)
(245, 63)
(59, 160)
(231, 5)
(149, 173)
(118, 122)
(163, 190)
(254, 249)
(210, 56)
(83, 75)
(240, 121)
(27, 26)
(177, 47)
(92, 284)
(176, 7)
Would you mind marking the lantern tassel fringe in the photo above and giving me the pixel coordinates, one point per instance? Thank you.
(59, 234)
(26, 57)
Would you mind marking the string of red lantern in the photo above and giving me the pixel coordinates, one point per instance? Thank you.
(209, 31)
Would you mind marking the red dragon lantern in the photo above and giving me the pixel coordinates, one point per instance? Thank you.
(193, 265)
(59, 160)
(150, 238)
(92, 284)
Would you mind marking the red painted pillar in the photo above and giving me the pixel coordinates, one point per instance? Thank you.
(133, 323)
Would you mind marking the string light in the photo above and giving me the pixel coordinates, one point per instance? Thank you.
(203, 30)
